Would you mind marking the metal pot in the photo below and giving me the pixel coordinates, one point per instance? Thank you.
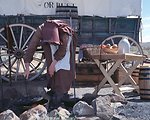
(69, 103)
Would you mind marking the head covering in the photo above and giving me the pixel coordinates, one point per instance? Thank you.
(50, 33)
(51, 29)
(62, 25)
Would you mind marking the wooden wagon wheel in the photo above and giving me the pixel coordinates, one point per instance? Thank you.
(135, 47)
(14, 40)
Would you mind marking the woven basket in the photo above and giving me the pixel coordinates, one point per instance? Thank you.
(111, 50)
(94, 50)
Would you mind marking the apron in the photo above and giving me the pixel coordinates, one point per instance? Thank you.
(65, 62)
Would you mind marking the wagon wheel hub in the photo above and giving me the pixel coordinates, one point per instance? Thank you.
(19, 54)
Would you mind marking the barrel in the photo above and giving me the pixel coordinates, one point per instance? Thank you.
(135, 75)
(69, 14)
(67, 11)
(144, 82)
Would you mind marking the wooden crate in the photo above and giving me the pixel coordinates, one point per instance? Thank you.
(88, 71)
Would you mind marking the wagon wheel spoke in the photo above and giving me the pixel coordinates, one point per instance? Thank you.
(3, 37)
(11, 64)
(14, 39)
(14, 65)
(6, 61)
(20, 40)
(131, 43)
(17, 69)
(33, 68)
(38, 60)
(7, 69)
(112, 41)
(22, 63)
(27, 40)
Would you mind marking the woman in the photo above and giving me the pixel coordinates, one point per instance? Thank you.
(59, 42)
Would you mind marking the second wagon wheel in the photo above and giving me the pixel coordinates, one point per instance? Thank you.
(14, 41)
(135, 48)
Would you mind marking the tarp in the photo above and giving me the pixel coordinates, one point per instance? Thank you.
(104, 8)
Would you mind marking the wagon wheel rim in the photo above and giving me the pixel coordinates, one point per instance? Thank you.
(135, 48)
(19, 35)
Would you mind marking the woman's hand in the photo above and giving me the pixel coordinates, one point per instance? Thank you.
(51, 68)
(27, 71)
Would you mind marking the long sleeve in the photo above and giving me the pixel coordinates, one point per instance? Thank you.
(32, 46)
(61, 51)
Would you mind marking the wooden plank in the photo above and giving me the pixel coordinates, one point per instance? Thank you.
(96, 78)
(87, 68)
(101, 56)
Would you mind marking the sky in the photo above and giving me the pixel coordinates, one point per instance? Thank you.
(145, 14)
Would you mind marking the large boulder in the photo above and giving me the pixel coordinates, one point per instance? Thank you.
(8, 115)
(36, 113)
(103, 107)
(83, 109)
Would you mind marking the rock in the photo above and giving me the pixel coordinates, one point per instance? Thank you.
(60, 114)
(117, 98)
(116, 105)
(54, 114)
(83, 109)
(103, 107)
(116, 117)
(37, 113)
(8, 115)
(88, 118)
(63, 113)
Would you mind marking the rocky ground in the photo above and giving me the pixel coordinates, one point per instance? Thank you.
(106, 106)
(134, 108)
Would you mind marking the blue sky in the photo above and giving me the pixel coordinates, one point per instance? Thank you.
(145, 20)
